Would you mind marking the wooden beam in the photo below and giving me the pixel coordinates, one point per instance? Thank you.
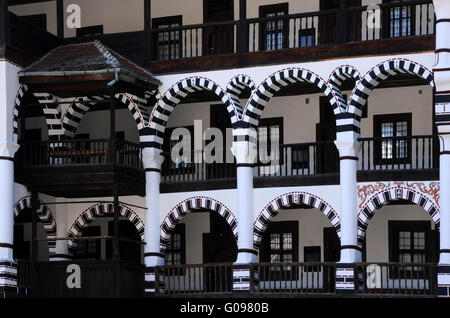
(147, 15)
(60, 18)
(242, 28)
(116, 250)
(4, 21)
(34, 242)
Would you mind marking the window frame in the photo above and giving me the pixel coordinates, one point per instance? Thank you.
(280, 272)
(266, 123)
(167, 148)
(180, 229)
(378, 120)
(394, 229)
(390, 29)
(274, 9)
(168, 20)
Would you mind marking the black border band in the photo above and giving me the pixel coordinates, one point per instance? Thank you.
(7, 158)
(446, 251)
(69, 257)
(247, 250)
(442, 21)
(349, 158)
(152, 170)
(245, 165)
(351, 247)
(447, 152)
(154, 254)
(6, 245)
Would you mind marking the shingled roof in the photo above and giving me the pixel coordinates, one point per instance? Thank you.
(88, 58)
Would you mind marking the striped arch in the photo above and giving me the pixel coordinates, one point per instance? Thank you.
(81, 105)
(188, 205)
(262, 94)
(154, 135)
(102, 209)
(45, 216)
(339, 76)
(286, 200)
(381, 72)
(381, 198)
(17, 108)
(235, 88)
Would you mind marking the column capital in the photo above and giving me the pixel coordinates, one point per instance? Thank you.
(245, 152)
(152, 158)
(348, 148)
(444, 141)
(8, 149)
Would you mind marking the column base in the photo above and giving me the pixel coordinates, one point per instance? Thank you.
(349, 280)
(154, 281)
(60, 257)
(8, 277)
(245, 278)
(443, 280)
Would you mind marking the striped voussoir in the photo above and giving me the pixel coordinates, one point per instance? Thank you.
(381, 72)
(8, 276)
(45, 216)
(154, 135)
(188, 205)
(381, 198)
(235, 88)
(52, 113)
(287, 200)
(339, 76)
(275, 82)
(98, 210)
(17, 107)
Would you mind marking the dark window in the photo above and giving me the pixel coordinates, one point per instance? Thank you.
(89, 249)
(129, 249)
(280, 245)
(392, 145)
(311, 254)
(90, 30)
(271, 130)
(38, 20)
(168, 43)
(307, 37)
(399, 19)
(176, 246)
(410, 242)
(275, 32)
(21, 247)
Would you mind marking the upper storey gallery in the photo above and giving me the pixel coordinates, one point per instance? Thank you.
(229, 33)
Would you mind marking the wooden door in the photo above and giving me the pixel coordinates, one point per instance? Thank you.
(327, 155)
(218, 39)
(329, 24)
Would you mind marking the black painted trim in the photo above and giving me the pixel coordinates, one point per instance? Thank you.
(154, 254)
(245, 165)
(247, 250)
(351, 247)
(6, 245)
(348, 158)
(152, 170)
(7, 158)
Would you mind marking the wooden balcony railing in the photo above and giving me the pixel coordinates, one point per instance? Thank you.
(79, 152)
(397, 278)
(298, 278)
(399, 153)
(196, 279)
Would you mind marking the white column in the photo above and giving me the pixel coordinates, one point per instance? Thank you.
(8, 269)
(441, 73)
(245, 153)
(152, 160)
(61, 249)
(348, 153)
(349, 148)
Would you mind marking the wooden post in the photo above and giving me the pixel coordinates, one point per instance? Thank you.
(148, 44)
(34, 242)
(242, 36)
(60, 18)
(116, 250)
(342, 23)
(112, 134)
(4, 21)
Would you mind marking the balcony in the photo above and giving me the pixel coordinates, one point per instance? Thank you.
(80, 168)
(300, 279)
(317, 163)
(279, 39)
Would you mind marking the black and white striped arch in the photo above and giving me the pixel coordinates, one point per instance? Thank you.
(45, 216)
(98, 210)
(235, 88)
(188, 205)
(385, 196)
(153, 135)
(288, 200)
